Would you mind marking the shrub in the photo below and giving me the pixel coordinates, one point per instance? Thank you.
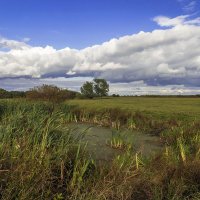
(48, 93)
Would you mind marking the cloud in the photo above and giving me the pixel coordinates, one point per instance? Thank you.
(177, 21)
(189, 6)
(26, 39)
(24, 84)
(132, 88)
(168, 22)
(140, 88)
(169, 56)
(12, 44)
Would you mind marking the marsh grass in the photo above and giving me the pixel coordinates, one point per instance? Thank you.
(37, 153)
(41, 159)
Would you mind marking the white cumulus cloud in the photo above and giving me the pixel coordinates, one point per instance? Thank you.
(168, 56)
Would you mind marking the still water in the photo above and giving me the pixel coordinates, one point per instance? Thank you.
(98, 141)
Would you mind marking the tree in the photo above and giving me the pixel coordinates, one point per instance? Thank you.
(101, 87)
(87, 89)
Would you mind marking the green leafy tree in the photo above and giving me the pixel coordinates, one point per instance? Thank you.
(101, 87)
(87, 90)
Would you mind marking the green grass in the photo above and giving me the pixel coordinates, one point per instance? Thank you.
(160, 107)
(41, 159)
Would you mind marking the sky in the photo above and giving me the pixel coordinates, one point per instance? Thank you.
(138, 46)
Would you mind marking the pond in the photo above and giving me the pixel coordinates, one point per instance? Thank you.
(103, 144)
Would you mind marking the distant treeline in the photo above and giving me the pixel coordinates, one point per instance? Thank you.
(11, 94)
(42, 91)
(36, 93)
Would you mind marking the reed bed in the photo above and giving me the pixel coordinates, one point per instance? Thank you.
(41, 159)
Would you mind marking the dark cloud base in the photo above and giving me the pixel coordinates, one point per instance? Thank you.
(131, 88)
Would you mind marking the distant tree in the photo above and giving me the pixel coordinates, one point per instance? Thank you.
(87, 90)
(98, 88)
(115, 95)
(101, 87)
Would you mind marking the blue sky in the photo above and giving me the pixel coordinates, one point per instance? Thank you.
(80, 23)
(139, 46)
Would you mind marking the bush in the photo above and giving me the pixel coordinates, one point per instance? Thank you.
(48, 93)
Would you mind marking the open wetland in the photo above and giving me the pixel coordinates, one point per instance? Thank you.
(65, 151)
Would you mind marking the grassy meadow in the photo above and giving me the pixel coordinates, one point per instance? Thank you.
(41, 159)
(160, 107)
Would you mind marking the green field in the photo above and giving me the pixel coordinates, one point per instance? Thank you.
(161, 107)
